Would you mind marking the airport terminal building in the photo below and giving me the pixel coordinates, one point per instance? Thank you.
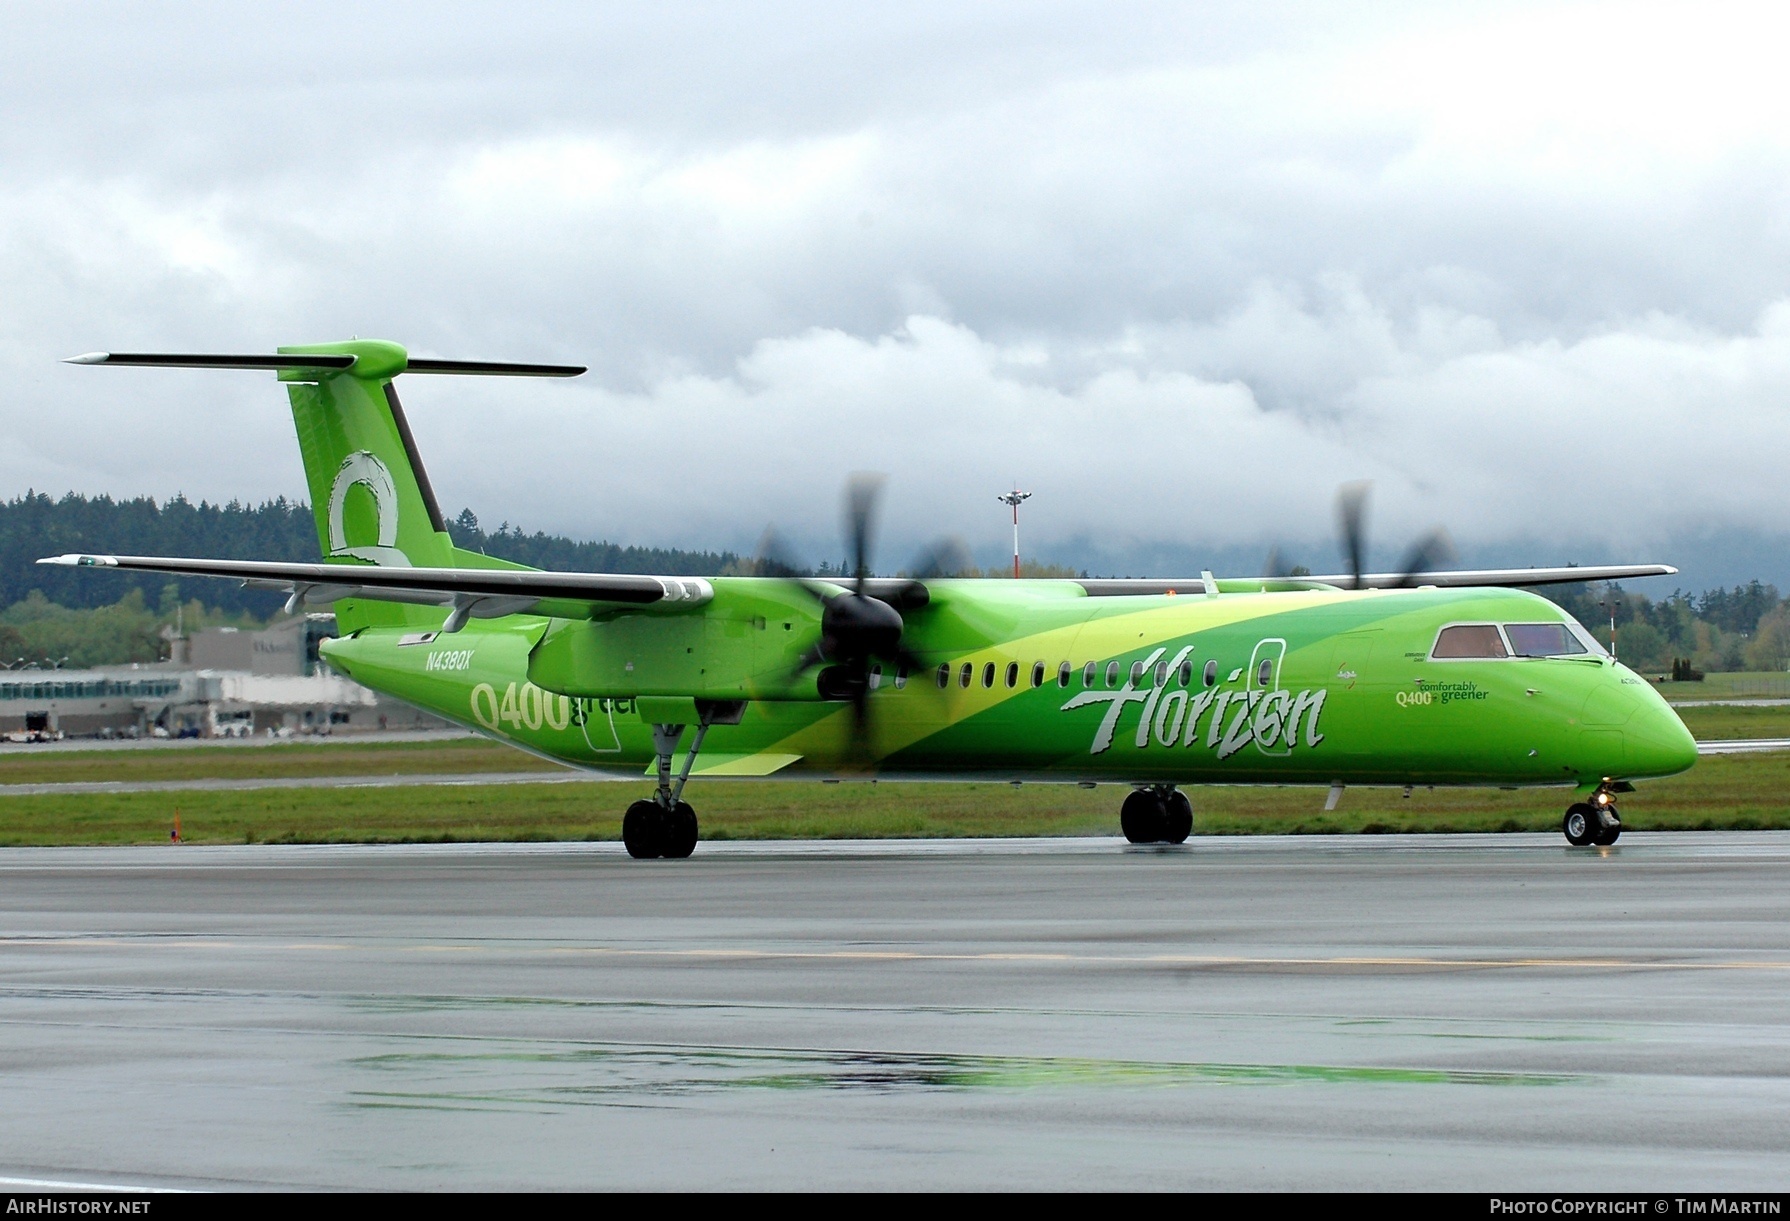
(220, 682)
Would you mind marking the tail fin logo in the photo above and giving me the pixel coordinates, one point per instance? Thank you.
(367, 470)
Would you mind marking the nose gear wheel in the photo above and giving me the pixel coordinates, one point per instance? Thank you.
(1591, 822)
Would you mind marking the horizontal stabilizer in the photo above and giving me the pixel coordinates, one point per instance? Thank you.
(491, 368)
(416, 364)
(178, 360)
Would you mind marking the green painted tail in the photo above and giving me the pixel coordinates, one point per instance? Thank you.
(371, 497)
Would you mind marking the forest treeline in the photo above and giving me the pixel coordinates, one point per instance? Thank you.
(35, 525)
(1744, 628)
(82, 617)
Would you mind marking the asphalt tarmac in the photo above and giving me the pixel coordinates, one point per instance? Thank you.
(1472, 1012)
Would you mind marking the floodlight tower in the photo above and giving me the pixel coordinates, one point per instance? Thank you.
(1013, 499)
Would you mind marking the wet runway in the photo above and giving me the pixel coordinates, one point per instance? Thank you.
(1474, 1012)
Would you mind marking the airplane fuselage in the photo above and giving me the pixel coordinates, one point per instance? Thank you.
(1034, 680)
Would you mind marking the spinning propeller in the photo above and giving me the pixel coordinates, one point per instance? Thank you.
(1351, 517)
(860, 618)
(1351, 514)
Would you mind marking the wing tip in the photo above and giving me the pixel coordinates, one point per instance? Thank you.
(78, 560)
(88, 358)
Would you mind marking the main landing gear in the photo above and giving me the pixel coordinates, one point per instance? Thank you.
(1593, 822)
(1159, 814)
(665, 825)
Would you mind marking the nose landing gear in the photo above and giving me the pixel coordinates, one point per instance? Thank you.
(1159, 814)
(1593, 822)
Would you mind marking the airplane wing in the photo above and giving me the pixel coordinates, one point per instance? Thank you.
(482, 593)
(1455, 579)
(489, 593)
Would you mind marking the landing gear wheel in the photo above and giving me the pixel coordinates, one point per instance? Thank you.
(680, 832)
(643, 830)
(1179, 823)
(1143, 818)
(1580, 824)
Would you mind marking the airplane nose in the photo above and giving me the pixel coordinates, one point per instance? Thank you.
(1656, 741)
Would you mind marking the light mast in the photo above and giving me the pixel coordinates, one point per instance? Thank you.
(1014, 498)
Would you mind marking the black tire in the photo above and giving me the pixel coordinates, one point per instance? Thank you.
(1143, 818)
(680, 832)
(1580, 825)
(643, 830)
(1179, 822)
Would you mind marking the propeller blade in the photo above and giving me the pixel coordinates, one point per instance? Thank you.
(946, 557)
(813, 656)
(860, 513)
(1433, 548)
(1351, 515)
(1274, 567)
(773, 558)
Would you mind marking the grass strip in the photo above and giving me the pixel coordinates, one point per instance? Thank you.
(453, 755)
(1724, 722)
(1741, 792)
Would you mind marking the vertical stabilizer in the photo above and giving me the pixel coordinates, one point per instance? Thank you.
(371, 497)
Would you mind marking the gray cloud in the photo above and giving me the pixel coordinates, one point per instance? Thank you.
(1180, 270)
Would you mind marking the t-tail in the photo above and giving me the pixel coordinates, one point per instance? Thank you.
(369, 491)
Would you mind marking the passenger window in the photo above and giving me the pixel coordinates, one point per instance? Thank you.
(1112, 673)
(1211, 674)
(1186, 673)
(900, 677)
(1063, 675)
(988, 674)
(1542, 640)
(944, 675)
(963, 675)
(1012, 675)
(1161, 673)
(1264, 673)
(1470, 640)
(1037, 674)
(1087, 675)
(1137, 672)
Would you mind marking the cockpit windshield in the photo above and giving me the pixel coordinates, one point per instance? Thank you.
(1491, 641)
(1543, 640)
(1465, 640)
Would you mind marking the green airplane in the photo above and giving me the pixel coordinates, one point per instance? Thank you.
(1404, 679)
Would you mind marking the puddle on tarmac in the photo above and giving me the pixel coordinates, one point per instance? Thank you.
(534, 1077)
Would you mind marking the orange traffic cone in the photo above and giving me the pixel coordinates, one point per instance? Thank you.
(174, 835)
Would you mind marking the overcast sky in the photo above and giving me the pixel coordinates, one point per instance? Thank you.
(1178, 269)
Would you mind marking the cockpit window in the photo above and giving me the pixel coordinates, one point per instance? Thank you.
(1543, 640)
(1470, 640)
